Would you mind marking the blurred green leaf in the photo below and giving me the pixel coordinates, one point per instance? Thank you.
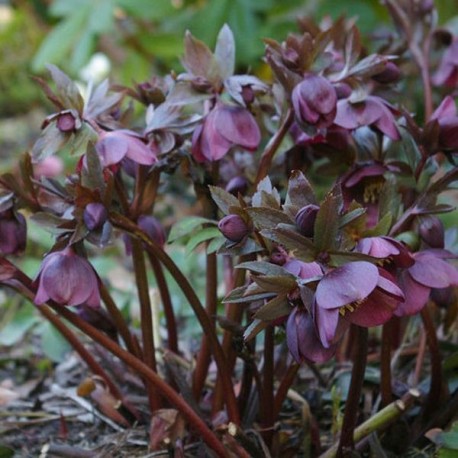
(202, 236)
(185, 226)
(54, 345)
(22, 321)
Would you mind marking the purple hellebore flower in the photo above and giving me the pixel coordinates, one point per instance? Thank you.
(446, 115)
(114, 146)
(429, 271)
(314, 101)
(302, 340)
(447, 73)
(363, 184)
(359, 293)
(224, 127)
(67, 279)
(373, 111)
(387, 249)
(13, 232)
(432, 231)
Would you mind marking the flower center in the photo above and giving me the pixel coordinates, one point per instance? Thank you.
(351, 307)
(372, 190)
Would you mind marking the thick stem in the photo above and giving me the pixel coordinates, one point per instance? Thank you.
(150, 245)
(385, 364)
(170, 320)
(118, 319)
(159, 384)
(436, 386)
(346, 443)
(149, 349)
(211, 300)
(76, 344)
(273, 145)
(266, 404)
(284, 386)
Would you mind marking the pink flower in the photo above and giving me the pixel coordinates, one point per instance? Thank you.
(447, 73)
(67, 279)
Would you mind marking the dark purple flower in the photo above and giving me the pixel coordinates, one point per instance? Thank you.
(363, 184)
(224, 127)
(67, 279)
(446, 115)
(447, 73)
(302, 340)
(305, 219)
(387, 249)
(373, 111)
(94, 216)
(429, 271)
(13, 232)
(234, 228)
(314, 101)
(114, 146)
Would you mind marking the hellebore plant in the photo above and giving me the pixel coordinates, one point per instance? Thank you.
(319, 192)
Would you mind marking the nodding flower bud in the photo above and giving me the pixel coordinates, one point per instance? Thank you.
(13, 232)
(153, 228)
(315, 101)
(305, 219)
(95, 215)
(390, 74)
(237, 185)
(432, 231)
(67, 121)
(234, 228)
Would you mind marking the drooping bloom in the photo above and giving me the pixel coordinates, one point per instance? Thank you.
(372, 111)
(13, 232)
(446, 115)
(224, 127)
(67, 279)
(387, 249)
(430, 270)
(447, 73)
(114, 146)
(314, 101)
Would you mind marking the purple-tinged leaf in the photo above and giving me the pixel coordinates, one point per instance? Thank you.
(300, 192)
(255, 327)
(267, 218)
(225, 52)
(264, 268)
(275, 308)
(198, 60)
(223, 199)
(67, 91)
(326, 228)
(275, 283)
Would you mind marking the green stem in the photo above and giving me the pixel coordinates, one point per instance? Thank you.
(346, 443)
(149, 349)
(150, 245)
(380, 421)
(273, 145)
(170, 320)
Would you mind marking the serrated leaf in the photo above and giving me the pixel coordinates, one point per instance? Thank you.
(265, 268)
(267, 218)
(266, 195)
(202, 236)
(67, 90)
(223, 199)
(302, 247)
(274, 309)
(255, 327)
(186, 226)
(225, 52)
(275, 283)
(300, 192)
(49, 142)
(326, 227)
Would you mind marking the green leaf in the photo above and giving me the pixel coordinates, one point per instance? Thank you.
(327, 223)
(92, 175)
(6, 451)
(241, 295)
(351, 216)
(58, 43)
(267, 218)
(382, 227)
(216, 244)
(202, 236)
(225, 52)
(54, 345)
(410, 148)
(275, 283)
(67, 90)
(48, 143)
(146, 9)
(186, 226)
(22, 321)
(223, 199)
(265, 268)
(275, 308)
(255, 327)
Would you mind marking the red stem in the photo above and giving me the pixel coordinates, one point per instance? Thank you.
(284, 386)
(266, 407)
(385, 364)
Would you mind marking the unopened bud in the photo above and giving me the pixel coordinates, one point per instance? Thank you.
(305, 219)
(153, 228)
(237, 185)
(390, 74)
(233, 227)
(432, 231)
(95, 215)
(67, 121)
